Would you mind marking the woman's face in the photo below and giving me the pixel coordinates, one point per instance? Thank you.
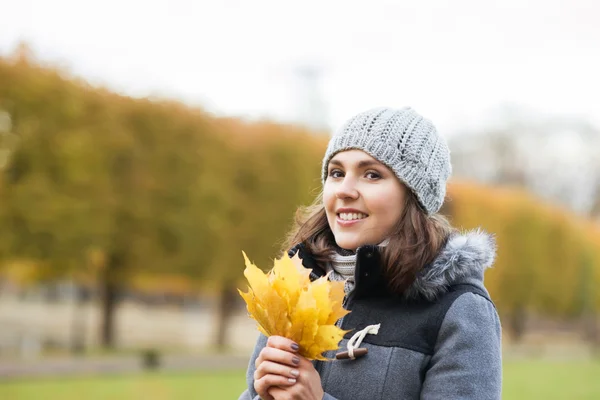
(363, 199)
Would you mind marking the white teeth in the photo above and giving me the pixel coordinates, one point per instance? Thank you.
(351, 216)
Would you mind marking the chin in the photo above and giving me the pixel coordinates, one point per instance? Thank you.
(348, 244)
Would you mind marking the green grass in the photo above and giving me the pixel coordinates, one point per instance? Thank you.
(549, 380)
(155, 386)
(528, 379)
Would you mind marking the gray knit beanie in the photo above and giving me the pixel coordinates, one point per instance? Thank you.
(404, 141)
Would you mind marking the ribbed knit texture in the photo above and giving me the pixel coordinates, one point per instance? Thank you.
(404, 141)
(342, 268)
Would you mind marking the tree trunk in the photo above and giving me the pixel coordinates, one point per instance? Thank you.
(109, 301)
(587, 295)
(225, 304)
(517, 321)
(78, 325)
(591, 331)
(110, 291)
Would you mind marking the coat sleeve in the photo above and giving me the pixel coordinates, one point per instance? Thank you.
(250, 393)
(467, 359)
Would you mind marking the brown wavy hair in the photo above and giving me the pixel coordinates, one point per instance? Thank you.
(416, 240)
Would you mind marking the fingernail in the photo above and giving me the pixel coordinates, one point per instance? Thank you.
(291, 380)
(294, 346)
(296, 360)
(295, 372)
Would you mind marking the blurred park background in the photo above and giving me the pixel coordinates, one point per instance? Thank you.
(144, 145)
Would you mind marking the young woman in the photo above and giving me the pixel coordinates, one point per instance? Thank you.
(422, 323)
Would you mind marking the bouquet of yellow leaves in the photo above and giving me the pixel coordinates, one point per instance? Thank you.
(286, 303)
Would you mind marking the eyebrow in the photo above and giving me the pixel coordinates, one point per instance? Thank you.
(361, 164)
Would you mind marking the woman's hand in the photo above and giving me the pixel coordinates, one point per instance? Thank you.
(307, 387)
(277, 366)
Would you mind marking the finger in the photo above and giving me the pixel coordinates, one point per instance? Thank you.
(277, 356)
(263, 384)
(269, 367)
(276, 392)
(265, 396)
(282, 343)
(304, 363)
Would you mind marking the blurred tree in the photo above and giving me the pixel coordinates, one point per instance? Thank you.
(8, 140)
(280, 165)
(585, 306)
(154, 186)
(542, 252)
(97, 171)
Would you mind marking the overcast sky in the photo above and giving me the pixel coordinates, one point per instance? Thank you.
(453, 61)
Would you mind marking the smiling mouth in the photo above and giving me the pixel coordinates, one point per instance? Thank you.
(351, 216)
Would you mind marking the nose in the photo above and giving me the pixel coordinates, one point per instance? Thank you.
(347, 189)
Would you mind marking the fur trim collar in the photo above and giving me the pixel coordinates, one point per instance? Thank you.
(464, 257)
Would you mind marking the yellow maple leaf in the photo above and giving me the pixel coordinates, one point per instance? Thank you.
(284, 302)
(336, 296)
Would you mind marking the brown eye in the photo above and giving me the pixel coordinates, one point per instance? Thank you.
(372, 175)
(336, 173)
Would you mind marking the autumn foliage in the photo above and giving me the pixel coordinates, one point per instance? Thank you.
(284, 302)
(548, 259)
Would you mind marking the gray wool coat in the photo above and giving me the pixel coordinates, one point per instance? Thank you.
(440, 340)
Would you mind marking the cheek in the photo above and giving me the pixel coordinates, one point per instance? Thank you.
(388, 205)
(328, 198)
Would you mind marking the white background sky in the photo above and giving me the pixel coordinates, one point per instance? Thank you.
(453, 61)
